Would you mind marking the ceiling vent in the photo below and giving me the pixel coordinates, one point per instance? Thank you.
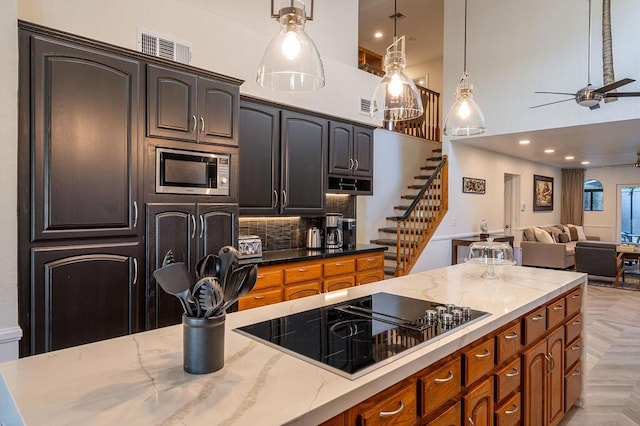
(164, 47)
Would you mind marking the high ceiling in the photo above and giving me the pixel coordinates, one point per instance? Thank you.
(606, 144)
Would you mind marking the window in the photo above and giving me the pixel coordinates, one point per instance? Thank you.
(593, 195)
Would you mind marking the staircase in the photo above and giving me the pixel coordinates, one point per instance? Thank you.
(418, 215)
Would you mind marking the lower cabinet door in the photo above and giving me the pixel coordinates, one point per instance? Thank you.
(572, 386)
(297, 291)
(451, 417)
(478, 404)
(510, 413)
(534, 370)
(339, 283)
(369, 277)
(82, 294)
(555, 389)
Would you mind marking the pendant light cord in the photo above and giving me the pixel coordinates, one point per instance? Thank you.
(465, 36)
(395, 18)
(589, 48)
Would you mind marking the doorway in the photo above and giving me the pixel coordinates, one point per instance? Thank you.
(511, 203)
(628, 223)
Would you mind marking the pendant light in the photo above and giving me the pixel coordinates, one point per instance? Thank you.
(396, 97)
(291, 61)
(638, 160)
(465, 117)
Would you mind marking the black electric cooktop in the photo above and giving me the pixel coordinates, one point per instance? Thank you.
(356, 336)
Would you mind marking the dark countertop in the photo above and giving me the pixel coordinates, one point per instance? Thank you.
(302, 254)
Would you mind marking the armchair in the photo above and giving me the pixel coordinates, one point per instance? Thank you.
(599, 259)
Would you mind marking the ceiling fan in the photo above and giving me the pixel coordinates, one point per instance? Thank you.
(589, 96)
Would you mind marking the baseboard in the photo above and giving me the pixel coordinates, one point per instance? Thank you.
(9, 335)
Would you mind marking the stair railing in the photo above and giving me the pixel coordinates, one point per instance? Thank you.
(418, 224)
(426, 126)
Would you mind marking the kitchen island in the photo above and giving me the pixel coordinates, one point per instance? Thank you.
(138, 379)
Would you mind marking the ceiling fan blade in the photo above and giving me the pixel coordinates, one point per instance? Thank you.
(622, 94)
(557, 93)
(551, 103)
(614, 85)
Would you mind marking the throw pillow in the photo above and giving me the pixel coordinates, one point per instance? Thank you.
(581, 235)
(563, 238)
(529, 234)
(543, 236)
(573, 233)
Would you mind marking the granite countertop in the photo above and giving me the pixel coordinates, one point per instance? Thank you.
(138, 379)
(302, 254)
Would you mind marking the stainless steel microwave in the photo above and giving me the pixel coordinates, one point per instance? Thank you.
(190, 172)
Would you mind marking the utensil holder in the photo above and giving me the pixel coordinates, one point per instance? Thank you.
(203, 344)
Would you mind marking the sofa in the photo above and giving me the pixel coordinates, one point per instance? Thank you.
(551, 246)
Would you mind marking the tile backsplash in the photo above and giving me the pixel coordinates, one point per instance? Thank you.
(279, 233)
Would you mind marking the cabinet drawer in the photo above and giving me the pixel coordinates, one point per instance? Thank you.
(338, 283)
(508, 343)
(572, 353)
(555, 313)
(302, 272)
(510, 413)
(572, 386)
(259, 298)
(535, 325)
(573, 302)
(448, 418)
(395, 406)
(302, 290)
(268, 277)
(373, 261)
(478, 361)
(339, 267)
(508, 380)
(369, 277)
(573, 328)
(440, 385)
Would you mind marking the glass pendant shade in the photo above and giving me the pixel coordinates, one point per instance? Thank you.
(291, 61)
(396, 97)
(464, 117)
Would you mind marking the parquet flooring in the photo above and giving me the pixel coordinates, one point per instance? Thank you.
(612, 359)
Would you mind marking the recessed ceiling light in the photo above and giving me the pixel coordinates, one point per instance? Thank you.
(569, 157)
(549, 151)
(585, 163)
(524, 142)
(378, 34)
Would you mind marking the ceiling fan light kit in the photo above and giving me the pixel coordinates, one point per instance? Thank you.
(291, 62)
(396, 97)
(465, 117)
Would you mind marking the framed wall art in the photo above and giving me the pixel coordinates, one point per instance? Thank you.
(542, 193)
(474, 186)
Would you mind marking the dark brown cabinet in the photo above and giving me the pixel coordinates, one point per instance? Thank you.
(181, 105)
(191, 231)
(84, 146)
(282, 161)
(350, 150)
(82, 294)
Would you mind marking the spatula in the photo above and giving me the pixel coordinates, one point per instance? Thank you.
(241, 282)
(175, 279)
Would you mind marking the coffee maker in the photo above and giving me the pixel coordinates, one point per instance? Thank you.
(333, 231)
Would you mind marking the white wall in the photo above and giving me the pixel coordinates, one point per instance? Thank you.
(227, 39)
(433, 69)
(9, 331)
(604, 224)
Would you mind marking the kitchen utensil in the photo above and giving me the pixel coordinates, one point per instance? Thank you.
(175, 279)
(242, 281)
(168, 258)
(314, 239)
(228, 262)
(208, 266)
(211, 296)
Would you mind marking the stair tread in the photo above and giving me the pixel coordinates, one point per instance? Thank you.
(388, 270)
(424, 177)
(390, 242)
(428, 168)
(434, 159)
(437, 150)
(411, 196)
(405, 207)
(392, 256)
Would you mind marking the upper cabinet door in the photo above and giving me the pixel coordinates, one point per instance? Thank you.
(304, 141)
(340, 148)
(218, 109)
(171, 104)
(259, 148)
(84, 143)
(363, 152)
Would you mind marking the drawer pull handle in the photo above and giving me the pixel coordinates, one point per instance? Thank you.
(339, 265)
(485, 354)
(557, 308)
(575, 296)
(303, 269)
(259, 297)
(576, 373)
(511, 336)
(537, 317)
(576, 322)
(261, 276)
(446, 379)
(513, 373)
(384, 414)
(576, 347)
(371, 259)
(512, 411)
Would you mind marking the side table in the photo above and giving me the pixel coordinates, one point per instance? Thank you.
(455, 243)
